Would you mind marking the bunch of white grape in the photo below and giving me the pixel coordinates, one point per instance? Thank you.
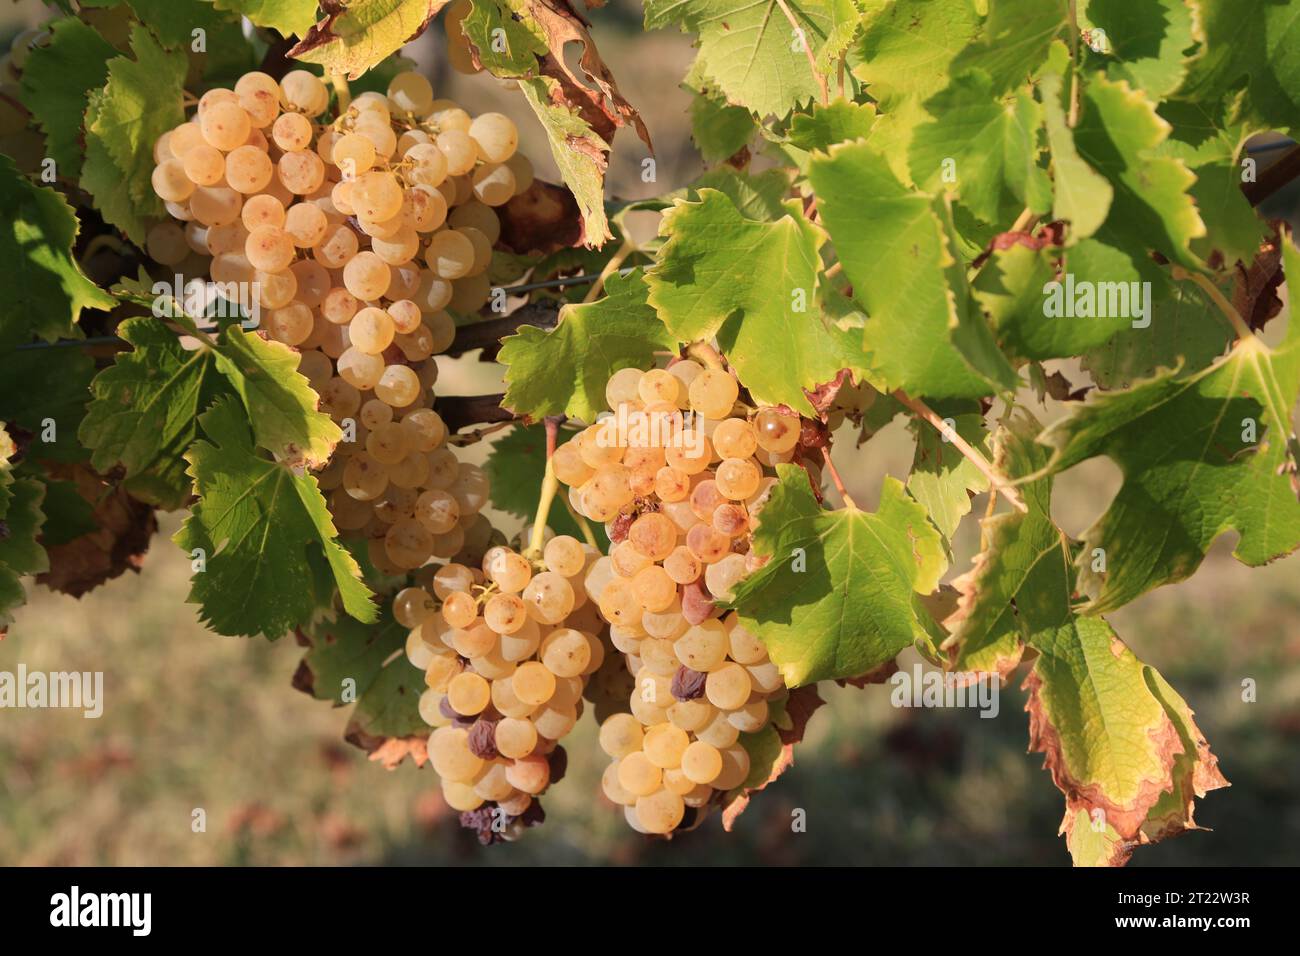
(507, 652)
(678, 494)
(354, 233)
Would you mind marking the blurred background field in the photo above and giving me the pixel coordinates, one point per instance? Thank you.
(192, 720)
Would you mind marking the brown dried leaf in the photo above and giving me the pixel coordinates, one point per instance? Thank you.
(542, 220)
(124, 529)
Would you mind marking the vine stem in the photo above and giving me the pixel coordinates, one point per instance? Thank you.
(1073, 119)
(342, 90)
(550, 486)
(1000, 484)
(835, 479)
(1239, 325)
(615, 263)
(587, 534)
(812, 61)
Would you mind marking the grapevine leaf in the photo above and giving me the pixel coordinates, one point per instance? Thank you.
(68, 516)
(517, 55)
(993, 144)
(579, 151)
(1022, 573)
(839, 594)
(827, 125)
(255, 523)
(1201, 454)
(563, 371)
(1147, 40)
(350, 661)
(1187, 332)
(1100, 293)
(289, 17)
(752, 284)
(516, 467)
(145, 411)
(46, 289)
(353, 38)
(57, 81)
(47, 386)
(1119, 743)
(1252, 49)
(119, 533)
(140, 102)
(719, 129)
(1119, 134)
(896, 246)
(173, 21)
(1015, 40)
(942, 479)
(20, 549)
(281, 406)
(760, 197)
(750, 51)
(1081, 196)
(908, 46)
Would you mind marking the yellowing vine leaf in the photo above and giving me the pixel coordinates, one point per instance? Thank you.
(1119, 743)
(356, 35)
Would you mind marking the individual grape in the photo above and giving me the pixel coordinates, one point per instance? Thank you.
(259, 96)
(734, 438)
(225, 125)
(275, 289)
(638, 775)
(411, 93)
(450, 254)
(262, 210)
(301, 172)
(337, 247)
(204, 165)
(713, 393)
(459, 150)
(366, 276)
(269, 249)
(291, 132)
(701, 762)
(450, 754)
(377, 196)
(398, 386)
(306, 224)
(776, 431)
(170, 182)
(184, 138)
(523, 171)
(360, 370)
(495, 136)
(493, 185)
(166, 243)
(304, 93)
(291, 324)
(476, 215)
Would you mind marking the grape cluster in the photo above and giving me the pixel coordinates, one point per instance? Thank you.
(507, 658)
(678, 493)
(355, 234)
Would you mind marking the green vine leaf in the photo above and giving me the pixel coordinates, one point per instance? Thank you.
(289, 17)
(563, 371)
(1081, 196)
(942, 479)
(992, 146)
(922, 334)
(46, 288)
(753, 284)
(348, 662)
(907, 47)
(259, 526)
(1014, 40)
(145, 413)
(57, 81)
(1201, 454)
(839, 595)
(1147, 41)
(827, 125)
(1118, 135)
(516, 467)
(141, 101)
(20, 550)
(750, 51)
(1255, 51)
